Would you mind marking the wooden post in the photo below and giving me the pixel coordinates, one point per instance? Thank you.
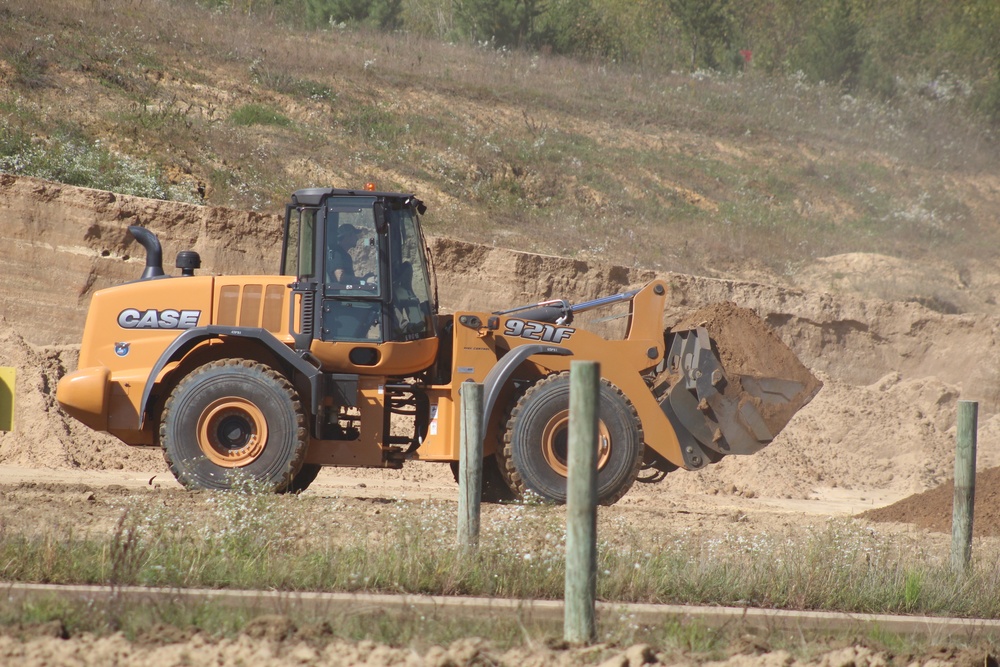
(470, 465)
(965, 485)
(579, 624)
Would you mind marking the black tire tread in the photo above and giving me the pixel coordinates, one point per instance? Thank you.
(296, 464)
(495, 488)
(303, 478)
(505, 454)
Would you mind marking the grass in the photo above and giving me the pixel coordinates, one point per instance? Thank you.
(254, 540)
(167, 623)
(136, 621)
(77, 161)
(251, 539)
(258, 114)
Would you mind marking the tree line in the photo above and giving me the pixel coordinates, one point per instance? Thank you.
(882, 47)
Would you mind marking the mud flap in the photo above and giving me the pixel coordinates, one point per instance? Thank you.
(734, 389)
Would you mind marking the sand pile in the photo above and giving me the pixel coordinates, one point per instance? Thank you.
(43, 435)
(932, 509)
(866, 429)
(895, 435)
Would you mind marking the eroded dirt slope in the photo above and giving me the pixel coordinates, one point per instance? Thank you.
(892, 371)
(59, 244)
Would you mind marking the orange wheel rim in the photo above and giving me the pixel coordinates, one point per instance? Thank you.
(555, 443)
(232, 432)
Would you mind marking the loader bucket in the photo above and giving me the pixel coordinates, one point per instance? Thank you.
(731, 383)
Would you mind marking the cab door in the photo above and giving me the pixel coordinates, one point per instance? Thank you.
(364, 285)
(351, 308)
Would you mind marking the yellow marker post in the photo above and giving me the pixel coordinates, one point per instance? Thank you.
(7, 375)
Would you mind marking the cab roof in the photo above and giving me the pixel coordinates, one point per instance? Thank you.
(315, 196)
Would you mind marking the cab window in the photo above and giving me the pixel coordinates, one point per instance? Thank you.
(352, 288)
(352, 250)
(301, 239)
(411, 291)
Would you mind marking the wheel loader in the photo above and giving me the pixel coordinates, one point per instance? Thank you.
(344, 359)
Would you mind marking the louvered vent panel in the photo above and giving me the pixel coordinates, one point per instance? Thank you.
(250, 305)
(229, 304)
(274, 300)
(308, 313)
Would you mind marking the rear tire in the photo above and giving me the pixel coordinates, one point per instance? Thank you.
(232, 421)
(534, 455)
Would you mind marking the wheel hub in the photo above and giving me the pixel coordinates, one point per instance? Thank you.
(232, 432)
(555, 443)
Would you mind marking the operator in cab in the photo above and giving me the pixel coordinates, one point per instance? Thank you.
(341, 263)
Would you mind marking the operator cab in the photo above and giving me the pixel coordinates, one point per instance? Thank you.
(362, 273)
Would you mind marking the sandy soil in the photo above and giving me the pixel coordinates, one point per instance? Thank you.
(258, 647)
(880, 430)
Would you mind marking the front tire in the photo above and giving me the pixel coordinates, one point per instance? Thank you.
(304, 477)
(535, 452)
(232, 421)
(494, 486)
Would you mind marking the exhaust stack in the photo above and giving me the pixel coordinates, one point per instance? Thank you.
(154, 252)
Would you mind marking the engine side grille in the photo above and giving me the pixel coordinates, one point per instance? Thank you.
(252, 306)
(308, 313)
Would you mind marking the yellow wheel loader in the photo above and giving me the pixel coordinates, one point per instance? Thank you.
(342, 359)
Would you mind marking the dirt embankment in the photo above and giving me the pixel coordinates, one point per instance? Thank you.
(59, 244)
(884, 419)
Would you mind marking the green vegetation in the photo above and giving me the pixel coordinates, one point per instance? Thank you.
(628, 132)
(257, 114)
(250, 539)
(177, 621)
(245, 539)
(855, 44)
(76, 161)
(144, 622)
(382, 14)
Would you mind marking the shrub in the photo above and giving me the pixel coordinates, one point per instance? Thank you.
(831, 50)
(382, 14)
(258, 114)
(76, 161)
